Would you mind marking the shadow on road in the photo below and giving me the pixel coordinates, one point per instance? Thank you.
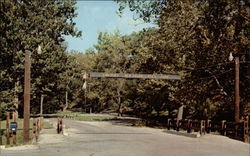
(124, 121)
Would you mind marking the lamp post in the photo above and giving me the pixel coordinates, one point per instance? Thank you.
(85, 90)
(26, 109)
(237, 87)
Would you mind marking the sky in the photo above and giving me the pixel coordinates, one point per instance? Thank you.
(100, 16)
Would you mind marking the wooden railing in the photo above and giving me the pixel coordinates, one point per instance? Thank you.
(237, 130)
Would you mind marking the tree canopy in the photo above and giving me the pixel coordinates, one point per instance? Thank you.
(193, 39)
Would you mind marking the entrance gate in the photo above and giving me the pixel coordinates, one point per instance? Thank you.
(136, 76)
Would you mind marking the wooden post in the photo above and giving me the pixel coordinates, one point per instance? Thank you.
(8, 128)
(237, 89)
(62, 125)
(26, 109)
(35, 129)
(38, 125)
(58, 125)
(223, 127)
(245, 129)
(14, 134)
(202, 127)
(190, 126)
(177, 125)
(168, 124)
(41, 123)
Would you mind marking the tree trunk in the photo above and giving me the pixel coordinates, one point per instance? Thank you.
(180, 112)
(66, 102)
(41, 105)
(16, 100)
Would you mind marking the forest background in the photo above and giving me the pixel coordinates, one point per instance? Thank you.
(193, 39)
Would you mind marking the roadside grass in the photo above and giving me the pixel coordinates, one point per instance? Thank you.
(92, 118)
(47, 125)
(79, 116)
(69, 113)
(19, 134)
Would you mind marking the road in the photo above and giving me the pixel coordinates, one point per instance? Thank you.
(113, 139)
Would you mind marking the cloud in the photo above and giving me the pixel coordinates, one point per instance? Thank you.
(126, 23)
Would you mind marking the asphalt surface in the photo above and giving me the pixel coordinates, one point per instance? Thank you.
(115, 139)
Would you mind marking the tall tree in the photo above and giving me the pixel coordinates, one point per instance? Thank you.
(27, 24)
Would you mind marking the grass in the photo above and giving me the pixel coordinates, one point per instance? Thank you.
(47, 125)
(92, 118)
(19, 136)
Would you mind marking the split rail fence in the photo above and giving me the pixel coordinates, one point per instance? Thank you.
(237, 130)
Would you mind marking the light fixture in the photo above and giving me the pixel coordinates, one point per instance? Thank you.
(230, 57)
(39, 50)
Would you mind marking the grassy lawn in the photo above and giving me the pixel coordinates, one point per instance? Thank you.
(46, 125)
(92, 118)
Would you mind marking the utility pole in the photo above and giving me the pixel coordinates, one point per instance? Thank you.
(26, 110)
(237, 89)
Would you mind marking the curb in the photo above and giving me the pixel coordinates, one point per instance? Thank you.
(20, 148)
(191, 135)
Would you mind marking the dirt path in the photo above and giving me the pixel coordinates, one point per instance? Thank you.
(110, 139)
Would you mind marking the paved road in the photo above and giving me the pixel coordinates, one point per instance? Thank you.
(111, 139)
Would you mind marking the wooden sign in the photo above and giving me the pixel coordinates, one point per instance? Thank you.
(136, 76)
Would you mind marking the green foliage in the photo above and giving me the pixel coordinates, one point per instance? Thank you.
(25, 25)
(193, 39)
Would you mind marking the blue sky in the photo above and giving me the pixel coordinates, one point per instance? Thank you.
(99, 16)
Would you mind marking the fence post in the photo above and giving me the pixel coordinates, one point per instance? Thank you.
(208, 126)
(168, 124)
(58, 125)
(62, 126)
(202, 128)
(189, 126)
(38, 125)
(14, 134)
(246, 130)
(41, 123)
(35, 129)
(8, 128)
(223, 127)
(177, 125)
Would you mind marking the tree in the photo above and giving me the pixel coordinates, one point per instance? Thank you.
(196, 43)
(26, 25)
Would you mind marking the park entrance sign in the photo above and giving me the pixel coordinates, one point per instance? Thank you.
(136, 76)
